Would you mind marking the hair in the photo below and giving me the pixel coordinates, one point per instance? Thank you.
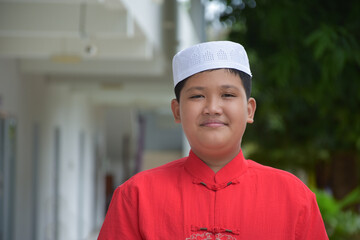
(245, 79)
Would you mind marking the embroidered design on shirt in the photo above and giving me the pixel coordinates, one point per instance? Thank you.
(210, 236)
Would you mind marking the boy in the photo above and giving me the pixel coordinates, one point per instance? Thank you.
(214, 193)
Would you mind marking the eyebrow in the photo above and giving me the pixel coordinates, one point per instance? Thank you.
(195, 88)
(229, 86)
(203, 88)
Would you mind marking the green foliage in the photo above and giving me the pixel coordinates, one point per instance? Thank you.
(305, 58)
(341, 224)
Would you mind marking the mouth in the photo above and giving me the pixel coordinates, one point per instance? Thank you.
(213, 123)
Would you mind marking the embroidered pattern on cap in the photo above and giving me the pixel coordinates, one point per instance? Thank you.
(209, 55)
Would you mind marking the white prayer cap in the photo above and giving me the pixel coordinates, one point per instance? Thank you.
(209, 55)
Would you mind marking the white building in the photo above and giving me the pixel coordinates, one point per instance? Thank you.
(76, 79)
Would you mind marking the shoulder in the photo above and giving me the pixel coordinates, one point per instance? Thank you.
(277, 179)
(163, 170)
(153, 182)
(270, 173)
(159, 174)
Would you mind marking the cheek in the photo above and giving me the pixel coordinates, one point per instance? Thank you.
(187, 119)
(237, 110)
(188, 112)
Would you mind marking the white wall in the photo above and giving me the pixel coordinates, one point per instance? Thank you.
(73, 115)
(148, 15)
(9, 86)
(36, 101)
(187, 34)
(120, 122)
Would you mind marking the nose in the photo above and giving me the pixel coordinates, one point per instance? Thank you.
(213, 106)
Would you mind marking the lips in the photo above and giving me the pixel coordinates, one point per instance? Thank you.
(213, 123)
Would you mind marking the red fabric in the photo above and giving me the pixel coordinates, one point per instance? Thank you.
(185, 200)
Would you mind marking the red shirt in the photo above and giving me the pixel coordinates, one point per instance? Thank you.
(186, 200)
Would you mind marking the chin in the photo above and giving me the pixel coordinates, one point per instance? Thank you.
(213, 145)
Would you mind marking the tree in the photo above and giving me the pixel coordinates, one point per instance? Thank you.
(305, 59)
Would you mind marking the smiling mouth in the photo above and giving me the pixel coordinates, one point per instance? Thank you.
(213, 124)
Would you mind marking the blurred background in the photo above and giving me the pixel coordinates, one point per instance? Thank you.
(86, 85)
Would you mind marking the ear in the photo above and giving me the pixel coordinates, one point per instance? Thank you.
(251, 107)
(175, 107)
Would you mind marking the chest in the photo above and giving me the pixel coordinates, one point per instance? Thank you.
(236, 211)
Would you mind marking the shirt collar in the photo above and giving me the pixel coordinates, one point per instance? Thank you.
(202, 173)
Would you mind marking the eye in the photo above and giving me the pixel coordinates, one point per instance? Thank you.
(228, 95)
(196, 96)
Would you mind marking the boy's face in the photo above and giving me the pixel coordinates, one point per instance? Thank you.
(214, 111)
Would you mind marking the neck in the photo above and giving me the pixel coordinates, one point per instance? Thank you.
(217, 160)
